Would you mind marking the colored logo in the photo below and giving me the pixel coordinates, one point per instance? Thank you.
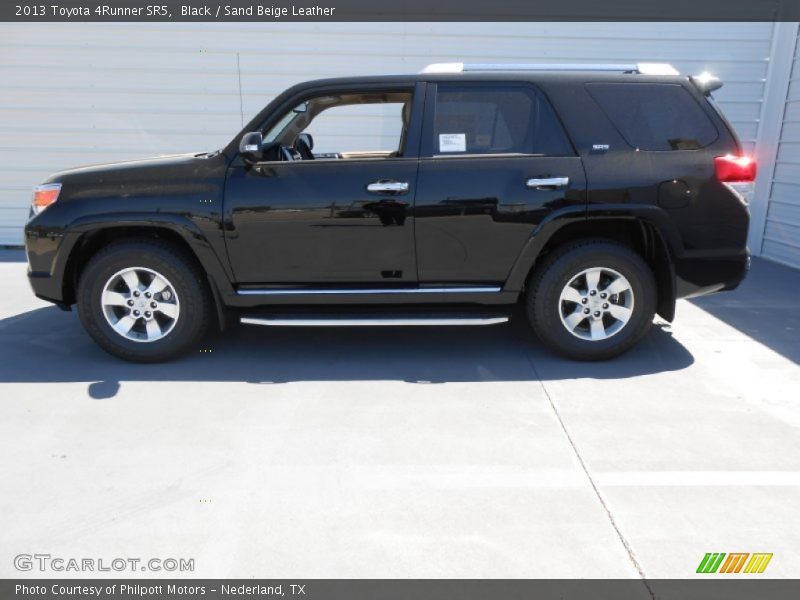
(736, 562)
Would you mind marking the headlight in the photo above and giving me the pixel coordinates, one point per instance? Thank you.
(44, 196)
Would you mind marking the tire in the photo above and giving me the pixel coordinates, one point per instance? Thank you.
(559, 316)
(182, 310)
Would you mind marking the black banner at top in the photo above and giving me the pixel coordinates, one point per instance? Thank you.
(398, 10)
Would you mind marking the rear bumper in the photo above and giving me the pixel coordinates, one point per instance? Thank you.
(699, 276)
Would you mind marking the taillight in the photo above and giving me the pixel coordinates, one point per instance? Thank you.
(44, 196)
(735, 169)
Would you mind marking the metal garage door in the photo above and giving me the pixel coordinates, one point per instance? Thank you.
(78, 93)
(781, 238)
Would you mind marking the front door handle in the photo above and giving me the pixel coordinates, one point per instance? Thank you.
(386, 186)
(547, 183)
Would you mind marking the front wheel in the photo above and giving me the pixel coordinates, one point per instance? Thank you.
(144, 301)
(592, 300)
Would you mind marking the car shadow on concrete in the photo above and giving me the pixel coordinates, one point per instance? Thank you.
(10, 254)
(47, 345)
(763, 307)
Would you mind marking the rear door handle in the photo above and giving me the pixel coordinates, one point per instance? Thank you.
(386, 186)
(547, 183)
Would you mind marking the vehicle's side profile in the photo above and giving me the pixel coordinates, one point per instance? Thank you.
(596, 195)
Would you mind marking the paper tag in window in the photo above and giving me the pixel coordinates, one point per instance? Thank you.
(452, 142)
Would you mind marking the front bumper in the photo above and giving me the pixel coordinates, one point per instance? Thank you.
(48, 254)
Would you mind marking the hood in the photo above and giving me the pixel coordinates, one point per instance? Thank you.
(157, 162)
(161, 176)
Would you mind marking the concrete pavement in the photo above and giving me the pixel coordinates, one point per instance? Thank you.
(452, 452)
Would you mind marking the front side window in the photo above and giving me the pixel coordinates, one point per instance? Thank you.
(368, 127)
(478, 119)
(370, 124)
(655, 116)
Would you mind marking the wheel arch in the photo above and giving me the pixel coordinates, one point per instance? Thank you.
(646, 229)
(92, 237)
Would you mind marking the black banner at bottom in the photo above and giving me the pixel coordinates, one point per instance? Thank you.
(401, 589)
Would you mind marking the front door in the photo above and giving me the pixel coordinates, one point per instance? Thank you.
(340, 216)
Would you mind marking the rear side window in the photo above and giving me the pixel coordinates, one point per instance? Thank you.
(475, 119)
(655, 116)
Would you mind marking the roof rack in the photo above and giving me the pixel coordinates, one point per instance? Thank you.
(641, 68)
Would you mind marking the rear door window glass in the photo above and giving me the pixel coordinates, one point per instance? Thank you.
(655, 116)
(474, 119)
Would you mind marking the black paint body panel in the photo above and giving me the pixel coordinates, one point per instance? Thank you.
(314, 221)
(474, 215)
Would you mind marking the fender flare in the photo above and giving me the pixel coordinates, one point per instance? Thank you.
(214, 269)
(645, 214)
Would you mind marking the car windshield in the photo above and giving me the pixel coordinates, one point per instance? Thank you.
(284, 122)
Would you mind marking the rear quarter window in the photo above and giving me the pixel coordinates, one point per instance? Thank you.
(655, 116)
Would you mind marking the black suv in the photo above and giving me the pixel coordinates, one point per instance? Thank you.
(594, 194)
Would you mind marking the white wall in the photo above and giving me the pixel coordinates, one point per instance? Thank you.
(79, 93)
(775, 228)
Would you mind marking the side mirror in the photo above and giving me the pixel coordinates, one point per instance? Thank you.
(309, 141)
(250, 147)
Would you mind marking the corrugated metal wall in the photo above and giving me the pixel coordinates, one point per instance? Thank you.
(81, 93)
(781, 237)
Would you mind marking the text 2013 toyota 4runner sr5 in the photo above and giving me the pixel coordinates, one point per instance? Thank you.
(594, 194)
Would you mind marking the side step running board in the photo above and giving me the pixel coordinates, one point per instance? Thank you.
(371, 322)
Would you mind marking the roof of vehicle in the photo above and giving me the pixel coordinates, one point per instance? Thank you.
(545, 72)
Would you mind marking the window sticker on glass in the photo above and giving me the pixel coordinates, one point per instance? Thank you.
(452, 142)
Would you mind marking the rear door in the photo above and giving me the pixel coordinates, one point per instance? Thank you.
(495, 161)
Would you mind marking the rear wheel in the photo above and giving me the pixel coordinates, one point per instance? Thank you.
(592, 300)
(144, 301)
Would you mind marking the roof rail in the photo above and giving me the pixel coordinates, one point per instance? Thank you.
(642, 68)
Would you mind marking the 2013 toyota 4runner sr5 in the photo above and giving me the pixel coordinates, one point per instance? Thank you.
(594, 194)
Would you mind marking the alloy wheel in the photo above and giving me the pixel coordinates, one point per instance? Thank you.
(140, 304)
(596, 304)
